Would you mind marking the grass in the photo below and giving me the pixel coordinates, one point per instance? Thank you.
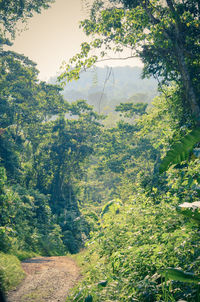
(36, 295)
(78, 257)
(11, 272)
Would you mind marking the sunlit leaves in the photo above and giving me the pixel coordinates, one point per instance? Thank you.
(133, 245)
(165, 37)
(110, 26)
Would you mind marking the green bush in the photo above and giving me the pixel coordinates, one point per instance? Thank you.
(11, 272)
(26, 221)
(133, 246)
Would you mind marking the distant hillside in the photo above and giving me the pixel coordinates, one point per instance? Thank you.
(104, 88)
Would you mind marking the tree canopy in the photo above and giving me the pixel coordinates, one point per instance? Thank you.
(165, 35)
(12, 11)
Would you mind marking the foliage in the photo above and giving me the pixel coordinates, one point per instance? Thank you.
(130, 109)
(190, 210)
(128, 154)
(43, 153)
(18, 10)
(132, 245)
(163, 35)
(178, 275)
(24, 105)
(59, 162)
(26, 221)
(181, 150)
(142, 235)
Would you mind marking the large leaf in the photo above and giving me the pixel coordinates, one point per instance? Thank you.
(178, 275)
(190, 210)
(107, 206)
(181, 150)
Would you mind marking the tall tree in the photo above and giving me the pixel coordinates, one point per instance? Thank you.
(25, 104)
(164, 34)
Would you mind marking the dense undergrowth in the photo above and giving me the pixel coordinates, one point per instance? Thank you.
(11, 272)
(26, 222)
(135, 242)
(23, 232)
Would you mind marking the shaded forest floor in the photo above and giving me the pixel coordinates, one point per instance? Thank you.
(47, 279)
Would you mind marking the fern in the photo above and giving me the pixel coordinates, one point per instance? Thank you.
(181, 150)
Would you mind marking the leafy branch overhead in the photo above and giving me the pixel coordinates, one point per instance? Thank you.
(165, 36)
(19, 10)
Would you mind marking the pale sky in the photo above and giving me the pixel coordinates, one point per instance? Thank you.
(54, 36)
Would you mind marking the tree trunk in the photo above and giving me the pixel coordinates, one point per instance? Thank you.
(185, 74)
(187, 82)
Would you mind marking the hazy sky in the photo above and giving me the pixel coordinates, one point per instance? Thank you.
(54, 36)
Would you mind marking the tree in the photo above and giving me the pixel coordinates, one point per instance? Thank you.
(64, 146)
(165, 35)
(12, 11)
(25, 104)
(61, 154)
(131, 109)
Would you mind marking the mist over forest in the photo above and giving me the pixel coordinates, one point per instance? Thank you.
(110, 86)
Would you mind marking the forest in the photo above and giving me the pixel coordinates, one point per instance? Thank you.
(120, 194)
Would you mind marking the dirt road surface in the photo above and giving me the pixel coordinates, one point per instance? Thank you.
(48, 279)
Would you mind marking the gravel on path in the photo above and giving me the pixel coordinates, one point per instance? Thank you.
(48, 279)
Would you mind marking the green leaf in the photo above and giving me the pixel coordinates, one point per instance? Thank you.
(89, 298)
(181, 150)
(178, 275)
(103, 283)
(107, 206)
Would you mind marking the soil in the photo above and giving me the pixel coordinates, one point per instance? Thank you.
(48, 279)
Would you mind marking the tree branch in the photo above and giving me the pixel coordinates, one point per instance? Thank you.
(111, 59)
(150, 15)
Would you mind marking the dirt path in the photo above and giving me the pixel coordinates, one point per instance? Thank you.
(48, 279)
